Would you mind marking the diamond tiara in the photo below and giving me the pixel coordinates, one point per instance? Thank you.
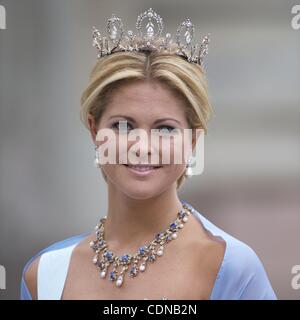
(149, 27)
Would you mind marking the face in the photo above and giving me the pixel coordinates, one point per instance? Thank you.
(145, 106)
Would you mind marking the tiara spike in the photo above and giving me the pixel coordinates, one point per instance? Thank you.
(149, 27)
(203, 51)
(194, 52)
(185, 34)
(167, 41)
(115, 31)
(97, 40)
(153, 27)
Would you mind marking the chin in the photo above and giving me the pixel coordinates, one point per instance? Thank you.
(142, 185)
(141, 192)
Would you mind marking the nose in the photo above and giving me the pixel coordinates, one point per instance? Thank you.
(142, 149)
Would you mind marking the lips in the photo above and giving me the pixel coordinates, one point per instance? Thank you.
(142, 168)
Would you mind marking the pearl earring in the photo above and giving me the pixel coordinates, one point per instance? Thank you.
(188, 170)
(96, 161)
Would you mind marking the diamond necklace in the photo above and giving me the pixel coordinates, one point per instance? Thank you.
(136, 263)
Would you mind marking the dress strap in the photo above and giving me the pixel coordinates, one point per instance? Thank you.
(52, 272)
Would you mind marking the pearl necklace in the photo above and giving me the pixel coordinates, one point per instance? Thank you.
(104, 257)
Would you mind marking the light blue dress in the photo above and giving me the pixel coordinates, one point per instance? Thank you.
(241, 275)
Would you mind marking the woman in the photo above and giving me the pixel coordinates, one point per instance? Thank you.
(151, 244)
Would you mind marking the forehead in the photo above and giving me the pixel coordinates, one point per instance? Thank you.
(146, 99)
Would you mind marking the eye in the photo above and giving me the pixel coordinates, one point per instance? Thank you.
(167, 129)
(120, 126)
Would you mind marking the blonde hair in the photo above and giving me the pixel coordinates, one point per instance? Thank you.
(184, 78)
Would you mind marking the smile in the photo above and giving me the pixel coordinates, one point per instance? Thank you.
(142, 170)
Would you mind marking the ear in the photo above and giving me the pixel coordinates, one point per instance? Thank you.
(93, 128)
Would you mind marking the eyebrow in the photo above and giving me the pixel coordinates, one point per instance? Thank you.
(156, 121)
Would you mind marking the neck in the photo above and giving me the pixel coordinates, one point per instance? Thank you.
(132, 222)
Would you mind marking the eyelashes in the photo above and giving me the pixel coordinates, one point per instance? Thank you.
(115, 125)
(166, 128)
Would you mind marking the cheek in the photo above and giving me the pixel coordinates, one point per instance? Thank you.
(173, 171)
(112, 170)
(174, 155)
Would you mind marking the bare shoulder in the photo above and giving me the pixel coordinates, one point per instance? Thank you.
(209, 249)
(214, 251)
(30, 277)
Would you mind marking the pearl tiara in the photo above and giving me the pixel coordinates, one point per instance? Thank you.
(149, 26)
